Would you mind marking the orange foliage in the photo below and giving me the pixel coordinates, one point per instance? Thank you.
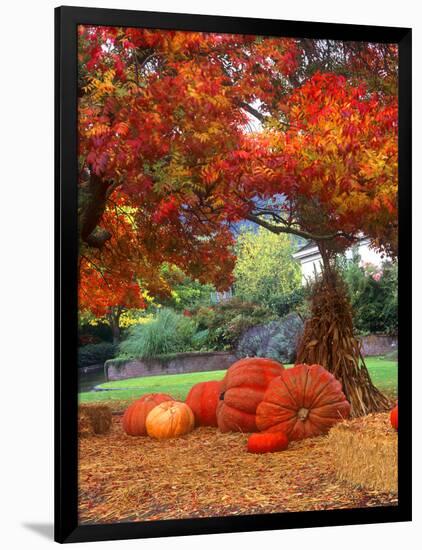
(190, 132)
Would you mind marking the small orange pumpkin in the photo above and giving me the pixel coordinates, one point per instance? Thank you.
(170, 419)
(133, 421)
(267, 442)
(394, 417)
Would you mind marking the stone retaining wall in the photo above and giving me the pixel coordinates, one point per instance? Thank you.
(378, 344)
(118, 369)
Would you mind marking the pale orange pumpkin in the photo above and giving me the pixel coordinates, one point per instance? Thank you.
(170, 419)
(133, 421)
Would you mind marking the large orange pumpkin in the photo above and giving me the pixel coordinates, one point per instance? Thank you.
(267, 442)
(136, 414)
(203, 400)
(394, 417)
(170, 419)
(242, 389)
(305, 401)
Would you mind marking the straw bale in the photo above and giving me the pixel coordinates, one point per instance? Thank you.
(85, 428)
(99, 417)
(365, 452)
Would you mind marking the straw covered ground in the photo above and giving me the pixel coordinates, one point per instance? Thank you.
(207, 473)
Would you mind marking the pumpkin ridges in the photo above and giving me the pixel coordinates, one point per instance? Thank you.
(317, 371)
(170, 419)
(291, 390)
(243, 388)
(252, 377)
(272, 411)
(255, 364)
(325, 422)
(303, 400)
(283, 426)
(245, 399)
(330, 408)
(271, 396)
(298, 431)
(232, 419)
(322, 410)
(301, 385)
(329, 392)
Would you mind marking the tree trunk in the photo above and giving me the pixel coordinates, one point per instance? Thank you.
(329, 340)
(92, 200)
(114, 320)
(115, 329)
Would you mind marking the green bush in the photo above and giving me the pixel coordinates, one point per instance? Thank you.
(283, 304)
(168, 332)
(186, 293)
(94, 354)
(373, 294)
(227, 321)
(199, 340)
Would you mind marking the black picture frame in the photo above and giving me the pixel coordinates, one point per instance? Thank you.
(66, 250)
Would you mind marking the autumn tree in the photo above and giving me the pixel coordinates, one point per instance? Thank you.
(107, 298)
(328, 173)
(168, 150)
(156, 109)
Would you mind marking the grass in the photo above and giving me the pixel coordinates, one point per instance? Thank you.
(383, 373)
(177, 385)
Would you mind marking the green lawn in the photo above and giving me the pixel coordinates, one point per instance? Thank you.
(177, 385)
(383, 374)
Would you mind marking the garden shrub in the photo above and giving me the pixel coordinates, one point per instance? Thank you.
(186, 293)
(168, 332)
(283, 304)
(94, 332)
(227, 321)
(276, 340)
(199, 340)
(373, 294)
(94, 354)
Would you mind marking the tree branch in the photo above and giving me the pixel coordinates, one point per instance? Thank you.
(278, 229)
(251, 110)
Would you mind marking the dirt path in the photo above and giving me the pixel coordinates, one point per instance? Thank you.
(205, 474)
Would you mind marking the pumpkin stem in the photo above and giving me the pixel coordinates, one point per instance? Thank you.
(302, 413)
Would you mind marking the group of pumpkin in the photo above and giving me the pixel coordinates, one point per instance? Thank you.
(256, 395)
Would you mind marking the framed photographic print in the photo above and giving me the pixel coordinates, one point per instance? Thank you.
(232, 274)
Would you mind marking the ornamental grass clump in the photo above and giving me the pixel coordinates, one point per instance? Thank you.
(168, 332)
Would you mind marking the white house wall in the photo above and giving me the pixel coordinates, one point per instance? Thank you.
(310, 267)
(310, 260)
